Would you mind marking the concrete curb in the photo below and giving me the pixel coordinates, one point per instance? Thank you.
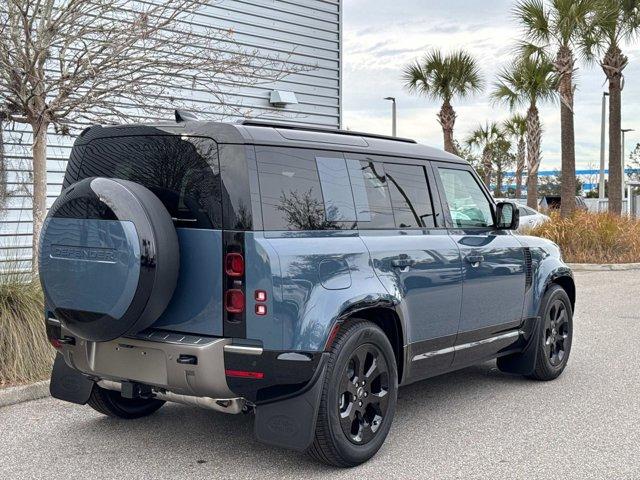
(614, 267)
(23, 393)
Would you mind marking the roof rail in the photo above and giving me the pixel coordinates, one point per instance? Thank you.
(316, 128)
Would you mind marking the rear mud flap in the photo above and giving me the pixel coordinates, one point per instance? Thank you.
(69, 384)
(291, 423)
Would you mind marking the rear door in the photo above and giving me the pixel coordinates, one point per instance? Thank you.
(493, 266)
(184, 173)
(412, 254)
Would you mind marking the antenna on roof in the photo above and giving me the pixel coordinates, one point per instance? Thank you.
(182, 116)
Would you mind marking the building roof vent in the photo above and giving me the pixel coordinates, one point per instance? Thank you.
(182, 116)
(282, 98)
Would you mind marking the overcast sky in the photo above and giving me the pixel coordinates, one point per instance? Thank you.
(381, 36)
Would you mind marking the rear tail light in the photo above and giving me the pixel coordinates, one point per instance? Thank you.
(261, 310)
(234, 265)
(260, 296)
(235, 296)
(234, 301)
(244, 374)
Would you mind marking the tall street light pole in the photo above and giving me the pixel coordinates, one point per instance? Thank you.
(394, 113)
(624, 130)
(601, 186)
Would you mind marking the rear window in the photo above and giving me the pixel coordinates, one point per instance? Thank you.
(410, 196)
(370, 193)
(290, 189)
(304, 189)
(183, 173)
(336, 189)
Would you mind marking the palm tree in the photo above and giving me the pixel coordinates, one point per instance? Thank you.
(516, 129)
(502, 159)
(527, 82)
(560, 25)
(443, 78)
(484, 139)
(615, 22)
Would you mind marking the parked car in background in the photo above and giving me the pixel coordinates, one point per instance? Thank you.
(529, 218)
(552, 202)
(296, 274)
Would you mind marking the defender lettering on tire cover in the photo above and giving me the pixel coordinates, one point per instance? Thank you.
(108, 258)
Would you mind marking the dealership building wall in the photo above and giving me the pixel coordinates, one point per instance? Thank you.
(307, 32)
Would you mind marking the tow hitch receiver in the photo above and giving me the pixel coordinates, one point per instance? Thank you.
(136, 390)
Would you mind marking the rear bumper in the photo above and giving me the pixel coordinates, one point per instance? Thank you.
(190, 365)
(158, 362)
(194, 366)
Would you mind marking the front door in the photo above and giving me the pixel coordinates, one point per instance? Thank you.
(493, 267)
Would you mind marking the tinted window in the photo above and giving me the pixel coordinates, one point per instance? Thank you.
(183, 173)
(290, 190)
(410, 196)
(468, 205)
(370, 194)
(336, 189)
(526, 212)
(234, 169)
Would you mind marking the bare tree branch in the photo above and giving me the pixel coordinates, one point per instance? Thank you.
(64, 62)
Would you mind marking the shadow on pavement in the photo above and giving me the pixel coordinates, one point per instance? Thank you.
(211, 441)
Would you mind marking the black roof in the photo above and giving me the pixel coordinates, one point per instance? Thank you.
(257, 132)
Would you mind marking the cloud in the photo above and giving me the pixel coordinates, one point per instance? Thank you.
(381, 37)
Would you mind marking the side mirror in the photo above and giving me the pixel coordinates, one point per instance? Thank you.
(508, 216)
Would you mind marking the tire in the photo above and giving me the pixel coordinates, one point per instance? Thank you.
(112, 404)
(354, 419)
(556, 335)
(109, 258)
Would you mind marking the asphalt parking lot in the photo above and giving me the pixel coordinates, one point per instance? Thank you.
(477, 423)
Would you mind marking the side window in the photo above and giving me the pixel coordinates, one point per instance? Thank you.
(290, 190)
(410, 196)
(370, 194)
(524, 212)
(336, 190)
(468, 205)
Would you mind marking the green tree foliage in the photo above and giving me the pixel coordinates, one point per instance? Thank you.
(444, 77)
(528, 81)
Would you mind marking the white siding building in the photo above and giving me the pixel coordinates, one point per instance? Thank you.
(307, 31)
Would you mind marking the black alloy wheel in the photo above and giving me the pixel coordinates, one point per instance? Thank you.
(359, 396)
(556, 332)
(555, 335)
(363, 401)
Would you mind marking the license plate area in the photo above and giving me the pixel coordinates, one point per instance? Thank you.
(124, 361)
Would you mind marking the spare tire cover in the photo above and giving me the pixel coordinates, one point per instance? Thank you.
(109, 258)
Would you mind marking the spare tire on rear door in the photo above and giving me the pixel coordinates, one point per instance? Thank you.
(109, 258)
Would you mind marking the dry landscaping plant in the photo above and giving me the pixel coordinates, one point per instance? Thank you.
(593, 237)
(25, 353)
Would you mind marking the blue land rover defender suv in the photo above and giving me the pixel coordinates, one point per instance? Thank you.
(297, 274)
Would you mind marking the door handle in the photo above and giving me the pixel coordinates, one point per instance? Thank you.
(403, 263)
(474, 260)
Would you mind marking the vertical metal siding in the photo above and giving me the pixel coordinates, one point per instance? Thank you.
(310, 31)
